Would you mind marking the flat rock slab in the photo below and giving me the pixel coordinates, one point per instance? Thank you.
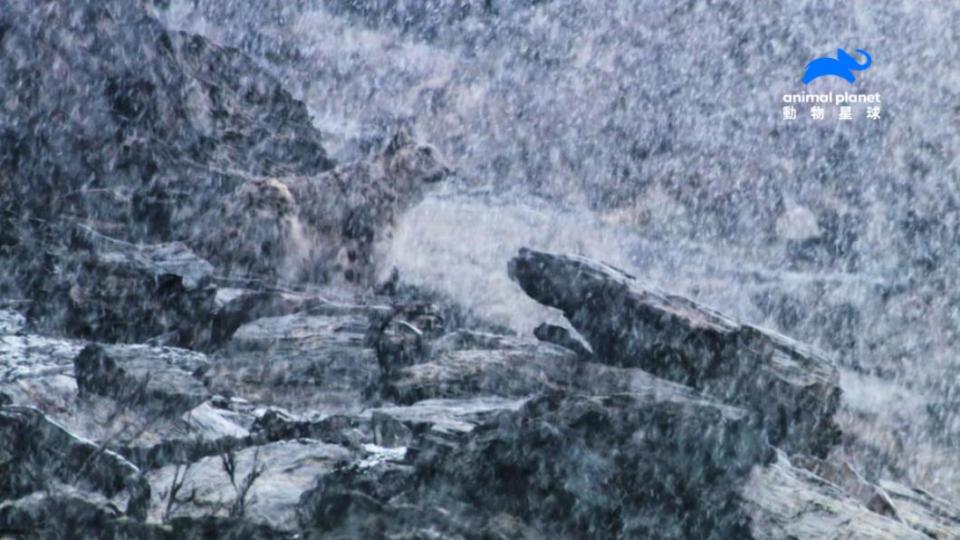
(35, 450)
(922, 511)
(236, 307)
(210, 421)
(617, 466)
(787, 502)
(447, 419)
(161, 378)
(103, 289)
(289, 468)
(300, 361)
(11, 321)
(457, 415)
(38, 371)
(510, 368)
(793, 388)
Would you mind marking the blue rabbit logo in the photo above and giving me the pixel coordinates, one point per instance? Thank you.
(842, 66)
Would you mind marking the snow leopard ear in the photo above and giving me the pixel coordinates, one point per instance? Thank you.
(403, 137)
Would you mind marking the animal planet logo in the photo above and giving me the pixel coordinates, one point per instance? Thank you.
(842, 66)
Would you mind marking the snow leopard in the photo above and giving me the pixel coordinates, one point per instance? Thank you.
(256, 232)
(353, 208)
(327, 228)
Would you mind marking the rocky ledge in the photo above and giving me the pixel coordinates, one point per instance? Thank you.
(147, 392)
(652, 416)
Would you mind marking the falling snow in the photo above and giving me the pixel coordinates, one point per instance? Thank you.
(278, 253)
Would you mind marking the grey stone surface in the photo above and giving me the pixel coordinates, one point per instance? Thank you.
(794, 389)
(287, 468)
(348, 410)
(36, 451)
(786, 502)
(104, 289)
(552, 467)
(161, 378)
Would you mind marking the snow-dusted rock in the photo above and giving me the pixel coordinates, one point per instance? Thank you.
(793, 388)
(162, 378)
(35, 451)
(283, 470)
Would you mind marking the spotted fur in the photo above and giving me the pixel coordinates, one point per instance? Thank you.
(257, 232)
(329, 227)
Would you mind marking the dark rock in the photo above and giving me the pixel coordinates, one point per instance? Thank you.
(182, 451)
(482, 365)
(786, 502)
(237, 307)
(673, 474)
(221, 417)
(211, 428)
(36, 452)
(465, 365)
(447, 421)
(230, 528)
(389, 432)
(38, 371)
(128, 104)
(403, 337)
(353, 502)
(284, 470)
(368, 501)
(249, 306)
(562, 337)
(794, 389)
(69, 514)
(670, 476)
(163, 379)
(105, 289)
(388, 426)
(343, 430)
(303, 360)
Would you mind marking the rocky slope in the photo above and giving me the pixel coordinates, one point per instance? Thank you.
(343, 419)
(654, 114)
(144, 395)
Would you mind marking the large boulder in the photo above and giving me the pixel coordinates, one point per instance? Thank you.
(163, 379)
(87, 285)
(625, 465)
(70, 513)
(794, 389)
(37, 453)
(784, 501)
(304, 360)
(114, 118)
(262, 483)
(38, 370)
